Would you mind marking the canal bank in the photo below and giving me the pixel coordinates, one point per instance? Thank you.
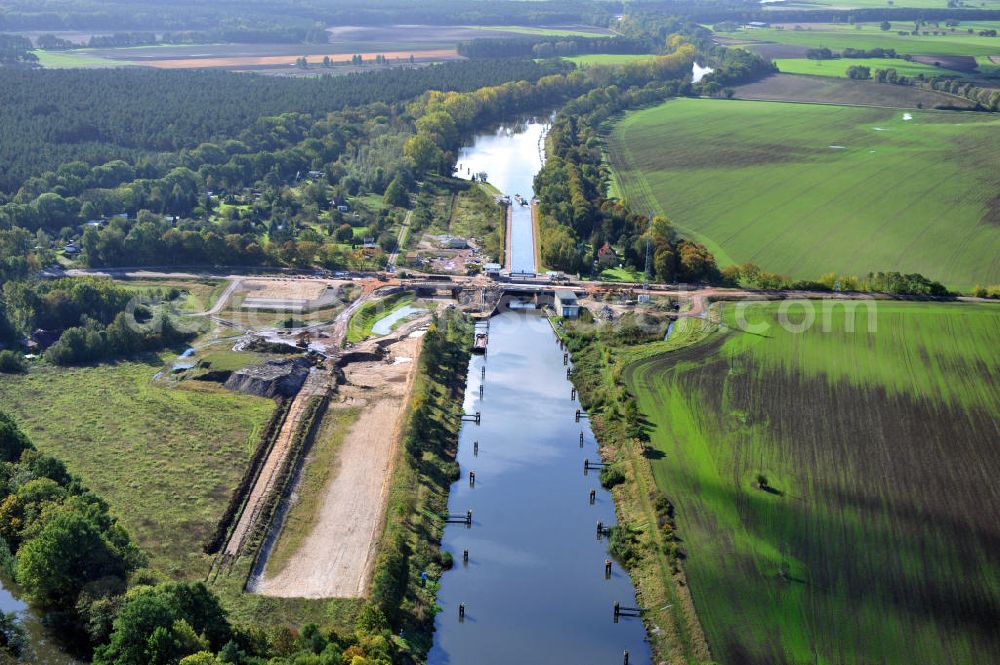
(654, 549)
(534, 587)
(510, 156)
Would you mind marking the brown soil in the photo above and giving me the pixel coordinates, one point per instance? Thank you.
(336, 559)
(959, 63)
(824, 90)
(316, 384)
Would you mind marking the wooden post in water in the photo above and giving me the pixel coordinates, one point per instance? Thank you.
(568, 372)
(483, 373)
(475, 448)
(472, 478)
(578, 415)
(572, 393)
(468, 518)
(586, 466)
(461, 612)
(607, 569)
(625, 662)
(593, 496)
(581, 438)
(565, 359)
(480, 391)
(618, 611)
(465, 556)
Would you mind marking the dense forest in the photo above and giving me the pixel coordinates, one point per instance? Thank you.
(52, 117)
(300, 14)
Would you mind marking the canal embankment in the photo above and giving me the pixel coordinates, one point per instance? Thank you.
(646, 539)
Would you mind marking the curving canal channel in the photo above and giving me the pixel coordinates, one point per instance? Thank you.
(534, 586)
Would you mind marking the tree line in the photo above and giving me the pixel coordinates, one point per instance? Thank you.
(896, 283)
(52, 117)
(73, 559)
(15, 51)
(94, 319)
(547, 47)
(571, 187)
(130, 15)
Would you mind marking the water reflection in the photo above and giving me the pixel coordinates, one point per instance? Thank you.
(534, 587)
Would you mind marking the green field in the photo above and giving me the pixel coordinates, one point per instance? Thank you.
(806, 189)
(607, 58)
(70, 60)
(360, 325)
(876, 538)
(870, 36)
(838, 67)
(166, 459)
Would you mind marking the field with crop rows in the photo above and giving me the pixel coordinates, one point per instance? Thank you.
(876, 537)
(806, 189)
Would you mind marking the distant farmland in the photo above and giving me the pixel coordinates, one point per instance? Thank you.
(877, 536)
(838, 67)
(869, 36)
(806, 189)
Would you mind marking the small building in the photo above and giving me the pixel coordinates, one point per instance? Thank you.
(606, 257)
(758, 24)
(566, 304)
(492, 270)
(71, 249)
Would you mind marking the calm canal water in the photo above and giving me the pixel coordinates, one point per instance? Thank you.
(510, 157)
(41, 649)
(534, 587)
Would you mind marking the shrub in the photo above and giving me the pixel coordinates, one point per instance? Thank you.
(611, 476)
(12, 362)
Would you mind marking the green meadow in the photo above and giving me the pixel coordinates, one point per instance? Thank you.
(806, 189)
(607, 58)
(360, 326)
(870, 36)
(74, 59)
(166, 458)
(838, 67)
(835, 488)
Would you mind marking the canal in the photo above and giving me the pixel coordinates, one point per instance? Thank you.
(510, 157)
(41, 649)
(534, 587)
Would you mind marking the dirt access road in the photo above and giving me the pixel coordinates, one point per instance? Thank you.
(316, 384)
(336, 559)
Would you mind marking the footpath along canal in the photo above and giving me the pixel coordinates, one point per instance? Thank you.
(534, 586)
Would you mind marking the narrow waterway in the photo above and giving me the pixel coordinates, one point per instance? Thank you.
(41, 649)
(534, 587)
(510, 157)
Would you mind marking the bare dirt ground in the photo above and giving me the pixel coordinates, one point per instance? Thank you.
(823, 90)
(314, 385)
(336, 559)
